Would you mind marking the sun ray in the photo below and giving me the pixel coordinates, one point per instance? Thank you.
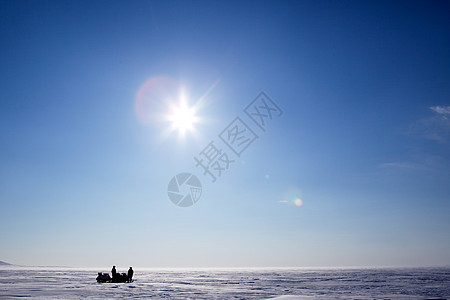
(182, 117)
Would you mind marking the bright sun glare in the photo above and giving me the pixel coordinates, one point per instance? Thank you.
(183, 118)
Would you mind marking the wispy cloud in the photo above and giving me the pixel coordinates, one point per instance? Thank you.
(402, 165)
(442, 110)
(414, 163)
(435, 127)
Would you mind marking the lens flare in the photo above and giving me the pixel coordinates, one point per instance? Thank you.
(182, 117)
(298, 202)
(153, 98)
(292, 197)
(162, 102)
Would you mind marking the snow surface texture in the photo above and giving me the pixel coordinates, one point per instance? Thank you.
(288, 284)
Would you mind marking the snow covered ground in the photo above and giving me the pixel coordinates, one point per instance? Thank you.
(66, 283)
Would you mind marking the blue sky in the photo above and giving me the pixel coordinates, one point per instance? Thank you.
(363, 140)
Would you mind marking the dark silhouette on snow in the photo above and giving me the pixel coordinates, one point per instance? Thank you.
(103, 277)
(120, 277)
(130, 274)
(116, 277)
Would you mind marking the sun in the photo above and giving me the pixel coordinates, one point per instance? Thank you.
(183, 118)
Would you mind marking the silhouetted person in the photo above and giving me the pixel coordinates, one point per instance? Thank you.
(130, 274)
(113, 272)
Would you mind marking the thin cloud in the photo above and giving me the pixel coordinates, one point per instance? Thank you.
(442, 110)
(435, 127)
(415, 162)
(402, 165)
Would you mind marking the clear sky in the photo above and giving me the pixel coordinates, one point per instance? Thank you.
(355, 172)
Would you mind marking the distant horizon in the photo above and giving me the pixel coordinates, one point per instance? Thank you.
(224, 267)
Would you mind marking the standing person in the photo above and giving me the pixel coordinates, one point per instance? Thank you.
(113, 272)
(130, 274)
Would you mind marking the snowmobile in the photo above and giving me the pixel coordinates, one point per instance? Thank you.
(104, 277)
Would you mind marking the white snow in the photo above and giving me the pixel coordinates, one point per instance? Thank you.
(282, 284)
